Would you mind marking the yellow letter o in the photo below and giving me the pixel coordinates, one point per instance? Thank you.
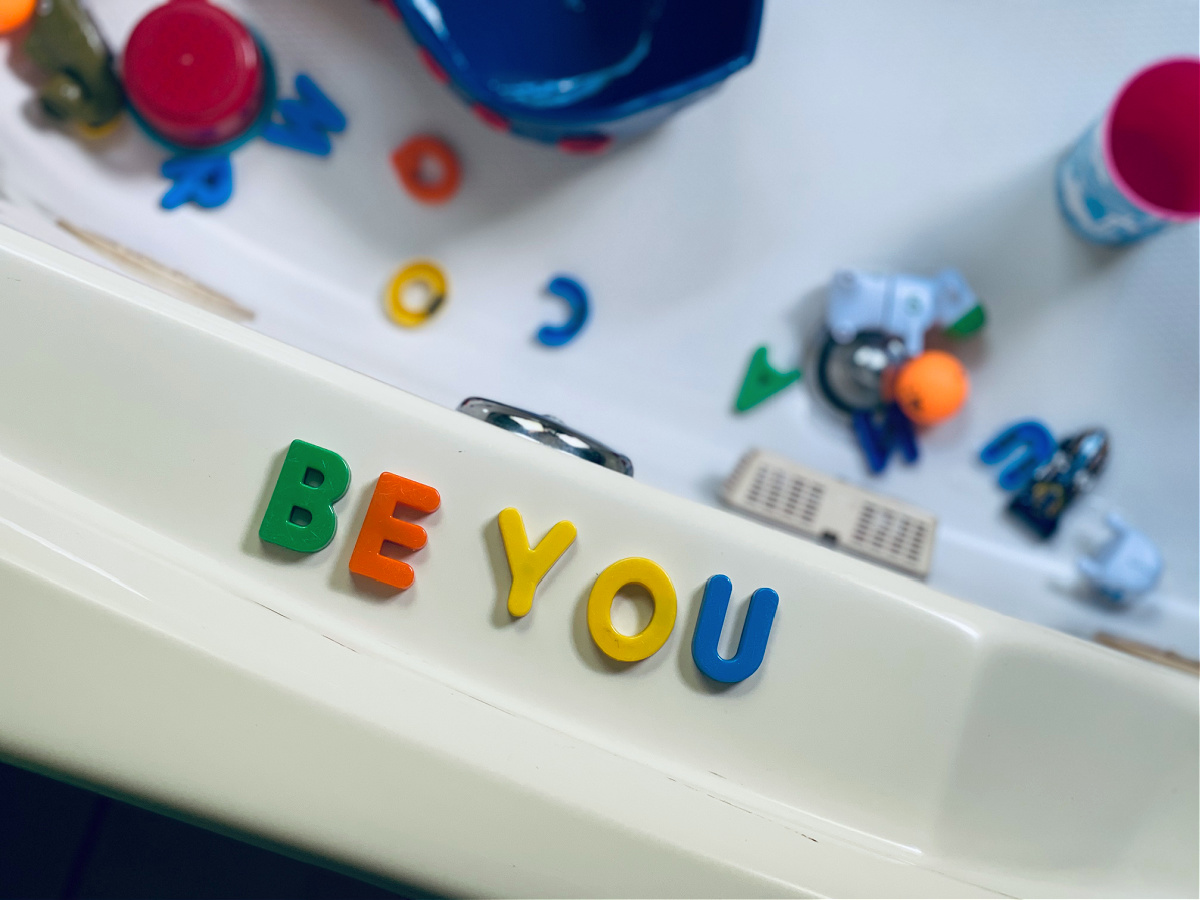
(427, 274)
(634, 570)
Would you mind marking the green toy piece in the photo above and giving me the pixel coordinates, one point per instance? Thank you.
(968, 324)
(300, 513)
(65, 42)
(762, 381)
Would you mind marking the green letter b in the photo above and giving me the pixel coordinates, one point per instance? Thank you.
(300, 515)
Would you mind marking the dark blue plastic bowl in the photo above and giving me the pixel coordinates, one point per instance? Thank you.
(582, 72)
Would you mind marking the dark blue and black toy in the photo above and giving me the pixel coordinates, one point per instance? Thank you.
(1047, 478)
(879, 432)
(853, 378)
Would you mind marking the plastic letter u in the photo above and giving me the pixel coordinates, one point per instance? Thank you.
(755, 632)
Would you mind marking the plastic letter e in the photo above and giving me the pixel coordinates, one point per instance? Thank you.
(381, 525)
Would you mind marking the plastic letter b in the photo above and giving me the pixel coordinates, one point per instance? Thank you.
(300, 513)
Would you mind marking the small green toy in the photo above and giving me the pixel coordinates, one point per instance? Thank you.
(762, 381)
(65, 43)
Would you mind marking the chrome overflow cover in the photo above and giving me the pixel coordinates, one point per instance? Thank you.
(546, 430)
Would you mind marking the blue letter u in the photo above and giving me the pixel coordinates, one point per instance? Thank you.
(755, 632)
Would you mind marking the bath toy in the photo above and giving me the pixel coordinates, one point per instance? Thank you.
(931, 388)
(1071, 471)
(576, 73)
(905, 306)
(1126, 567)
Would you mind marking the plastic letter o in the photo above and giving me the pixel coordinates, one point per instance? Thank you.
(631, 648)
(426, 273)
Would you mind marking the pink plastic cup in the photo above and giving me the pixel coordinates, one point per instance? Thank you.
(1137, 170)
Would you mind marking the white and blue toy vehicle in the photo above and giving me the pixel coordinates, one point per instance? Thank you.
(906, 306)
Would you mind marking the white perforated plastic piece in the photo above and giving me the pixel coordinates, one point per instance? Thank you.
(879, 528)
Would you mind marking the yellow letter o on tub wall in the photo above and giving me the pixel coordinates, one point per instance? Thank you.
(649, 575)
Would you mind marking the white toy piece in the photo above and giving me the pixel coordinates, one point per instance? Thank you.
(774, 488)
(1126, 567)
(903, 305)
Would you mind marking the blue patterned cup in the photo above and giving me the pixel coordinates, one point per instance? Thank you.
(1137, 170)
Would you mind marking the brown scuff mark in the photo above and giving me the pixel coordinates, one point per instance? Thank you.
(151, 271)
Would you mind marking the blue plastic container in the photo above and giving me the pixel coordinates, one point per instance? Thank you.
(579, 73)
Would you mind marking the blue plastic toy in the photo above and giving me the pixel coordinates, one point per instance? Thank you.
(577, 72)
(304, 123)
(206, 180)
(1126, 567)
(1033, 444)
(879, 433)
(752, 645)
(571, 291)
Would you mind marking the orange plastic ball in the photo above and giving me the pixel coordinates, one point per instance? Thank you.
(931, 387)
(15, 13)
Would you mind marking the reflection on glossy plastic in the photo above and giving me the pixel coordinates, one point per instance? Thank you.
(857, 375)
(381, 526)
(530, 565)
(300, 513)
(622, 647)
(573, 292)
(752, 645)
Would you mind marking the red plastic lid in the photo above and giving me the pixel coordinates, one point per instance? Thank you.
(194, 73)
